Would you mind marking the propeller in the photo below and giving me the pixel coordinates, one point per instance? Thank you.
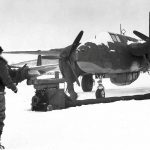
(69, 53)
(141, 35)
(76, 43)
(146, 45)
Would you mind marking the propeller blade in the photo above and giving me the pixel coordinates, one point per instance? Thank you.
(69, 64)
(68, 51)
(141, 35)
(76, 43)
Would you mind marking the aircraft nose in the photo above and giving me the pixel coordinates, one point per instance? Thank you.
(82, 51)
(85, 51)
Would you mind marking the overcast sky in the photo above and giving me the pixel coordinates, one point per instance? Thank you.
(46, 24)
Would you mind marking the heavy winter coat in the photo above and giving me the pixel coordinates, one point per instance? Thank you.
(5, 78)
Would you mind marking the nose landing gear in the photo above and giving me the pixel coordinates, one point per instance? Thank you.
(100, 92)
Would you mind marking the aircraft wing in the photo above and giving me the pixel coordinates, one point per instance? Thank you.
(53, 53)
(33, 63)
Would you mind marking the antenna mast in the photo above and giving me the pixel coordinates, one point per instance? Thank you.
(122, 31)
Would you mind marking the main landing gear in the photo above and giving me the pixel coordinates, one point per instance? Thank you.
(100, 92)
(87, 85)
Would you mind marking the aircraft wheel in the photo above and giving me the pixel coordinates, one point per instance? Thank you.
(87, 83)
(100, 93)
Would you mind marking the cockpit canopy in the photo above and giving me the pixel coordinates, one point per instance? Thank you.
(106, 37)
(122, 38)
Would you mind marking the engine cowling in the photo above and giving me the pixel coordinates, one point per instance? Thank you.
(124, 78)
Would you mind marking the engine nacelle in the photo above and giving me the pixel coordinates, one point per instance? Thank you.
(124, 78)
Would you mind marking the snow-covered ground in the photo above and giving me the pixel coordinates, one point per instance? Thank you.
(122, 125)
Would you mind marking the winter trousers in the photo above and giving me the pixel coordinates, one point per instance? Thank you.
(2, 111)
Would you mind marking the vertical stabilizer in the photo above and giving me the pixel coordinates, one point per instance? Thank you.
(39, 60)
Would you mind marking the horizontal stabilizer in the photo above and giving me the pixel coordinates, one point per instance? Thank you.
(39, 70)
(44, 67)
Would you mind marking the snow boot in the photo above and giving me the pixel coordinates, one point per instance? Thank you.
(1, 146)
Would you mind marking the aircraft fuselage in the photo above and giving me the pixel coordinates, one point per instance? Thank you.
(109, 57)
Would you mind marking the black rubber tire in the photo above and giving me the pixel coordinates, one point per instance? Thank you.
(100, 93)
(87, 83)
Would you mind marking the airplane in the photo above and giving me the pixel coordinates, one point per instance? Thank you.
(108, 55)
(35, 71)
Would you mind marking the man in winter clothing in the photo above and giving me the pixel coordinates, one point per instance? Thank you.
(8, 78)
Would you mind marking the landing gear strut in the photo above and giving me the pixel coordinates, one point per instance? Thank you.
(100, 92)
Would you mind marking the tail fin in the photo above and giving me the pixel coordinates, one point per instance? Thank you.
(39, 60)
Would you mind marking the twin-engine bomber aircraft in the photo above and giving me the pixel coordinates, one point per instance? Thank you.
(109, 55)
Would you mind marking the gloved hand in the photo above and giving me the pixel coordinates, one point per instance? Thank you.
(16, 90)
(22, 73)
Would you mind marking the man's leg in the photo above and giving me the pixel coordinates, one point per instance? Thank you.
(2, 116)
(70, 87)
